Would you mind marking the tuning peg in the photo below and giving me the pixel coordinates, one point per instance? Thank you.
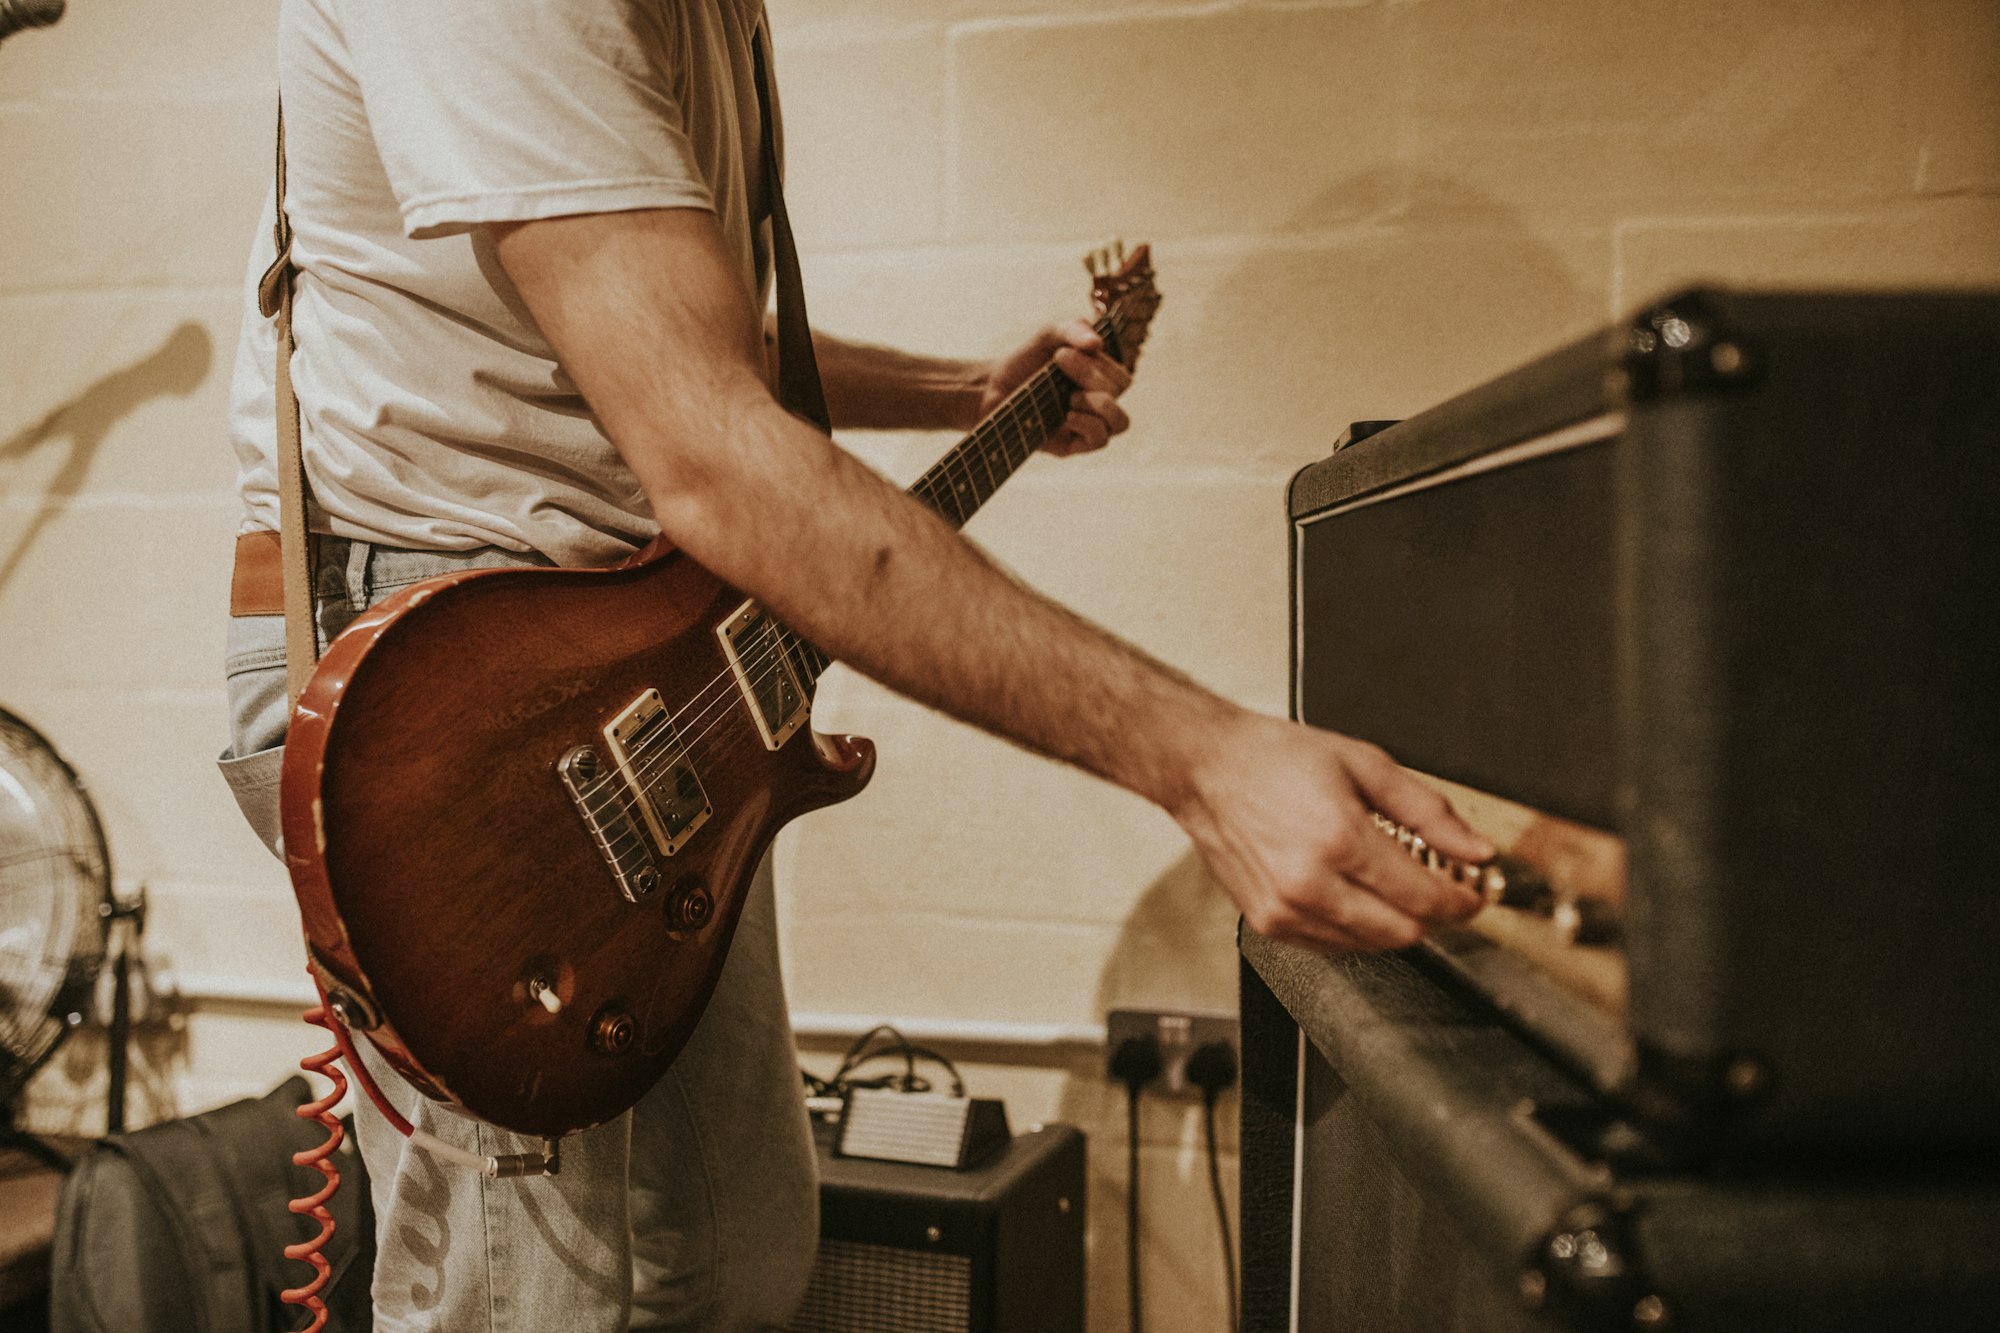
(1104, 261)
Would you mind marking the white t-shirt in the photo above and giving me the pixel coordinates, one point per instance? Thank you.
(434, 413)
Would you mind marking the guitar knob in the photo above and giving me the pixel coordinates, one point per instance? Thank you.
(691, 908)
(611, 1032)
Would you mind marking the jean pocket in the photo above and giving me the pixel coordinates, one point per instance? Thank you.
(253, 781)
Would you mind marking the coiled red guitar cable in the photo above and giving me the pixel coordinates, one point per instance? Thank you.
(320, 1158)
(547, 1162)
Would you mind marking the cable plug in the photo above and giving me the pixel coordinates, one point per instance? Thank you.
(1136, 1062)
(1212, 1068)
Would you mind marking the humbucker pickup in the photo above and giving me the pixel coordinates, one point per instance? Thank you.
(760, 653)
(661, 785)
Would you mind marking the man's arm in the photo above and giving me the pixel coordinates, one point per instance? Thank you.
(652, 323)
(881, 388)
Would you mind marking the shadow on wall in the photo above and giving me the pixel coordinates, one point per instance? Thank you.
(1420, 301)
(178, 366)
(1321, 322)
(1176, 949)
(1383, 295)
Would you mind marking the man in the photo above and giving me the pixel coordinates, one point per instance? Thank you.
(528, 319)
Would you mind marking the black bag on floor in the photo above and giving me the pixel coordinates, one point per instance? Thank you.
(183, 1226)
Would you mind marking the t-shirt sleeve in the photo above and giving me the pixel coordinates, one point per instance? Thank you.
(510, 110)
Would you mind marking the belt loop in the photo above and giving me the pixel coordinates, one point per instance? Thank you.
(359, 555)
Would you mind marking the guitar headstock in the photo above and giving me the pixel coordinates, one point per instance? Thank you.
(1121, 287)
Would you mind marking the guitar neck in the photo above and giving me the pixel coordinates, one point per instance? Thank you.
(966, 478)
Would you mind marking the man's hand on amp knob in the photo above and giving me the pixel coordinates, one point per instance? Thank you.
(1282, 815)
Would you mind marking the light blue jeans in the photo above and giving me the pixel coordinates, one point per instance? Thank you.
(697, 1209)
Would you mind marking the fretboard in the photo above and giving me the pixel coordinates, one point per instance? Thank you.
(966, 478)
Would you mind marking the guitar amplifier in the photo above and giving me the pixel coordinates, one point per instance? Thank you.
(1696, 618)
(997, 1248)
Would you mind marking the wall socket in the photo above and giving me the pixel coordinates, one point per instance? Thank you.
(1179, 1035)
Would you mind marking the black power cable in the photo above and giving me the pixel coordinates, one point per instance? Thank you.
(1135, 1063)
(1212, 1068)
(892, 1045)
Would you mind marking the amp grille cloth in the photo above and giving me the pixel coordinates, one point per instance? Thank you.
(859, 1288)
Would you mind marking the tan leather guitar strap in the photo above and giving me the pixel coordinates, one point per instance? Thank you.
(274, 297)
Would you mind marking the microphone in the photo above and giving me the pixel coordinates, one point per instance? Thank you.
(18, 14)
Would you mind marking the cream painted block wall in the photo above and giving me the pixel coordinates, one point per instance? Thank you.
(134, 149)
(1357, 209)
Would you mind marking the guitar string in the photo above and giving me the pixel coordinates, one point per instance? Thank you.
(771, 644)
(1045, 384)
(1044, 390)
(772, 641)
(776, 641)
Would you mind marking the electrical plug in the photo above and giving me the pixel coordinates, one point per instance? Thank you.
(1136, 1061)
(1212, 1068)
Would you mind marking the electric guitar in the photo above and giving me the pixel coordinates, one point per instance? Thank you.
(521, 807)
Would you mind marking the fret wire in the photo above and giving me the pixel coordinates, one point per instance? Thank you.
(993, 479)
(1023, 443)
(1004, 427)
(981, 476)
(1049, 405)
(944, 496)
(1053, 401)
(1021, 437)
(926, 490)
(956, 479)
(952, 492)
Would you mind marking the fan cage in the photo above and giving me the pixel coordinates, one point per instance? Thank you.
(55, 902)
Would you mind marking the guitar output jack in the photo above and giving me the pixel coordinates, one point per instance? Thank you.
(691, 907)
(354, 1013)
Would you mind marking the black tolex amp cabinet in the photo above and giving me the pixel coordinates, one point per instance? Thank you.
(1696, 619)
(997, 1248)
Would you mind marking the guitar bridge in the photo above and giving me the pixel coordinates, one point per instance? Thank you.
(595, 789)
(760, 651)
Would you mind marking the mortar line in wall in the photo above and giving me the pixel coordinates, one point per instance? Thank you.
(1070, 925)
(1203, 474)
(233, 291)
(161, 98)
(809, 38)
(1206, 245)
(89, 501)
(28, 690)
(1086, 17)
(807, 1025)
